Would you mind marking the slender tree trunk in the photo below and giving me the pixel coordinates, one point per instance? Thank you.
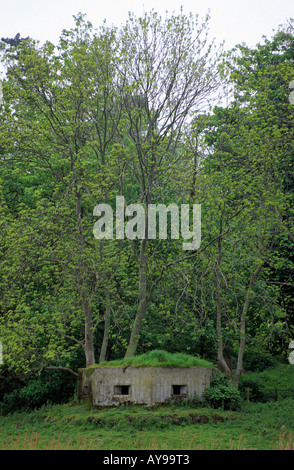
(142, 306)
(89, 341)
(143, 295)
(239, 368)
(66, 369)
(194, 174)
(102, 357)
(220, 357)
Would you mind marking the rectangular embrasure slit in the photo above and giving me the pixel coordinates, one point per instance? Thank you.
(179, 389)
(122, 390)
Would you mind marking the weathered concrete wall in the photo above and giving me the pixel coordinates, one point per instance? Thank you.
(142, 385)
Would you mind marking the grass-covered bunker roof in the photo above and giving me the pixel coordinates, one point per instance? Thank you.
(156, 358)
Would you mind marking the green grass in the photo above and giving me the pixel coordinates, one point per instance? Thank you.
(185, 426)
(262, 426)
(157, 358)
(281, 376)
(272, 382)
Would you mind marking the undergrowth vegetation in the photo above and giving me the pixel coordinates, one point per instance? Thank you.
(256, 426)
(269, 384)
(223, 420)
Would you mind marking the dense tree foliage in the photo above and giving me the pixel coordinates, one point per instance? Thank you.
(124, 112)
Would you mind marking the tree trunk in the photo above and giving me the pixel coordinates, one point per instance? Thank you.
(89, 342)
(102, 357)
(135, 334)
(220, 357)
(239, 368)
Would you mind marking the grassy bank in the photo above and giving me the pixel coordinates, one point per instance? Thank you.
(262, 426)
(258, 425)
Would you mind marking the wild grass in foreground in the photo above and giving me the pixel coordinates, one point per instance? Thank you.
(36, 442)
(76, 427)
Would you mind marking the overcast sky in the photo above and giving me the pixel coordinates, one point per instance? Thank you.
(234, 21)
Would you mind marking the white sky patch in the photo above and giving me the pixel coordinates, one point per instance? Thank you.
(232, 21)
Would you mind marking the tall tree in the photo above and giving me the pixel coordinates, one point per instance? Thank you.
(62, 105)
(246, 176)
(169, 71)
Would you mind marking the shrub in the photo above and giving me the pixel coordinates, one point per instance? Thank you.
(270, 384)
(257, 361)
(38, 392)
(255, 392)
(222, 394)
